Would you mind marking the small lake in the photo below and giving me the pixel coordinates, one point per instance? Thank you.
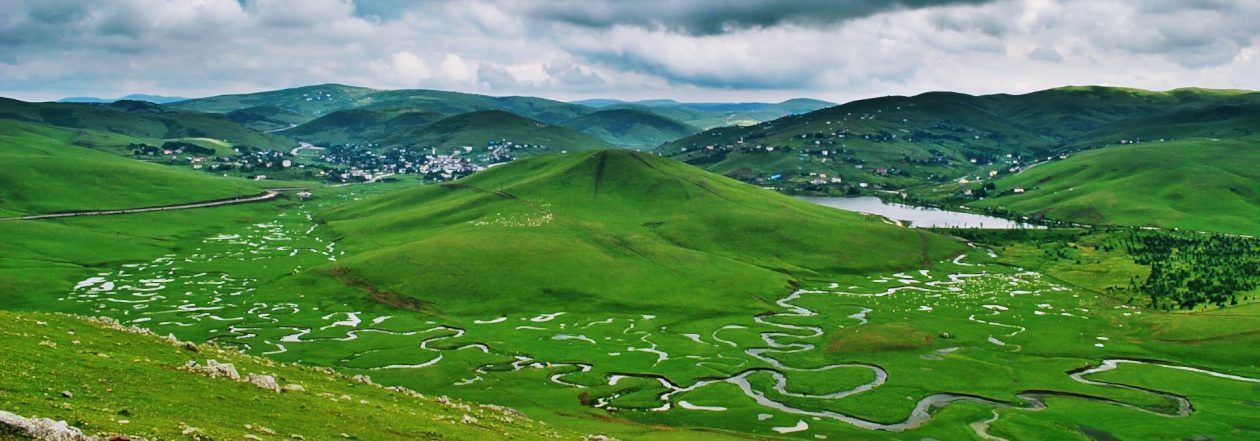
(910, 215)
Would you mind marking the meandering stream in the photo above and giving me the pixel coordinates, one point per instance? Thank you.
(171, 293)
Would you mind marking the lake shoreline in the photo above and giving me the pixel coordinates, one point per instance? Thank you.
(917, 216)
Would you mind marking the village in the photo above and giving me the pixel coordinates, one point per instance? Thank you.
(339, 163)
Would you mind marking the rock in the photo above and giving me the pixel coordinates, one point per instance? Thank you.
(40, 428)
(67, 394)
(598, 438)
(252, 436)
(362, 379)
(260, 429)
(214, 369)
(947, 335)
(296, 436)
(223, 369)
(468, 419)
(264, 381)
(191, 347)
(293, 387)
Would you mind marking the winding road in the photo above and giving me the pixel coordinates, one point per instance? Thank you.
(267, 195)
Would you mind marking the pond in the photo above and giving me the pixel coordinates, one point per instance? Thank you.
(910, 215)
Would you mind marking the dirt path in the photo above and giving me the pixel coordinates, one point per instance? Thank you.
(267, 195)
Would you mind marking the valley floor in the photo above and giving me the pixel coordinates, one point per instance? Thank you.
(972, 347)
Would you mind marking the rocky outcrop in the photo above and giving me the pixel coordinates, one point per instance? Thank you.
(214, 369)
(41, 428)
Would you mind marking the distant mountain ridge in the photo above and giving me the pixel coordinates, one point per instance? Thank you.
(159, 99)
(310, 102)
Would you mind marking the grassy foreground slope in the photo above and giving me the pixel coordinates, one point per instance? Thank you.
(106, 380)
(1195, 184)
(608, 231)
(49, 169)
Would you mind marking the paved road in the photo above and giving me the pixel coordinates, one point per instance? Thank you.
(303, 146)
(269, 194)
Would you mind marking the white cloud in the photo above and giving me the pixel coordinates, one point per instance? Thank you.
(50, 49)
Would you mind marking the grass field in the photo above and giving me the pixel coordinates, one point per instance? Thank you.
(907, 336)
(107, 380)
(1195, 184)
(48, 169)
(549, 229)
(607, 292)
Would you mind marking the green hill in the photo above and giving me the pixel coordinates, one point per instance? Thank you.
(477, 128)
(934, 137)
(607, 231)
(139, 119)
(105, 379)
(319, 100)
(48, 169)
(1197, 184)
(359, 126)
(308, 101)
(630, 128)
(266, 118)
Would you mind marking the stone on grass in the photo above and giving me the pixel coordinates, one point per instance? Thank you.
(40, 428)
(264, 381)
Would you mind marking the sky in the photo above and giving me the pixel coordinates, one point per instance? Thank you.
(734, 50)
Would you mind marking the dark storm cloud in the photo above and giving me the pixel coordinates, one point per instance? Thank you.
(699, 18)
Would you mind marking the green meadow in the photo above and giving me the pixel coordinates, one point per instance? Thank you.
(603, 292)
(1193, 184)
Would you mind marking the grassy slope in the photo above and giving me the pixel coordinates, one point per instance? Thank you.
(1192, 184)
(955, 126)
(50, 169)
(150, 122)
(318, 100)
(265, 117)
(614, 230)
(631, 128)
(360, 125)
(476, 128)
(117, 376)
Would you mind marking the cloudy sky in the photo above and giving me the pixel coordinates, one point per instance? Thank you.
(689, 50)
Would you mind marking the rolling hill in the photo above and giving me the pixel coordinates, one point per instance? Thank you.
(265, 118)
(49, 169)
(608, 230)
(409, 128)
(304, 104)
(631, 128)
(139, 119)
(356, 126)
(899, 141)
(1196, 184)
(314, 101)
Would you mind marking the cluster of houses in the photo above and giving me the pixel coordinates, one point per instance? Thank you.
(246, 159)
(358, 164)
